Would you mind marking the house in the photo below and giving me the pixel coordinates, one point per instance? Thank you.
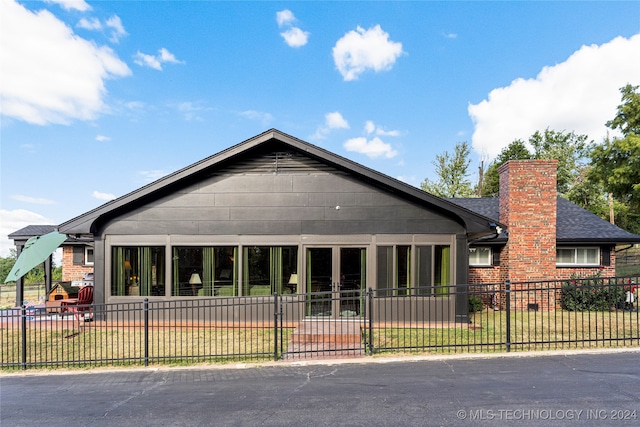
(277, 214)
(548, 236)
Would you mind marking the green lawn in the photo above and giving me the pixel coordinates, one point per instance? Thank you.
(88, 346)
(529, 331)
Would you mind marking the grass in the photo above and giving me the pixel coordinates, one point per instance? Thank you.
(530, 331)
(70, 345)
(52, 344)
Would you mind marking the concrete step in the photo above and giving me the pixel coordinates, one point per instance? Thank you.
(328, 332)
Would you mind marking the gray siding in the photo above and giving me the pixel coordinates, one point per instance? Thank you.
(300, 196)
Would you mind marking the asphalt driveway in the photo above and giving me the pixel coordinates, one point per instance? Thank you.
(560, 389)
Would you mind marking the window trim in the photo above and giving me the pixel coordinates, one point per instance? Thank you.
(86, 255)
(575, 263)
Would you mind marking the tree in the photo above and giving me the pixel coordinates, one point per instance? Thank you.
(568, 148)
(616, 163)
(628, 117)
(452, 171)
(6, 264)
(517, 150)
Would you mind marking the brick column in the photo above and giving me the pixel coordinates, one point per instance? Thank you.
(528, 201)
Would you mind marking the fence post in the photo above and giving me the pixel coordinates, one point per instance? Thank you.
(23, 320)
(370, 315)
(275, 326)
(507, 291)
(145, 308)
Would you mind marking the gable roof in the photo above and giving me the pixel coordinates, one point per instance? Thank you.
(573, 223)
(24, 234)
(30, 231)
(476, 224)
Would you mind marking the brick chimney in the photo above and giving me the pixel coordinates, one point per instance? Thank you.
(528, 208)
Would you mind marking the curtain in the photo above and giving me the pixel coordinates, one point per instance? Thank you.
(176, 273)
(445, 271)
(144, 260)
(308, 282)
(119, 272)
(208, 270)
(275, 269)
(363, 277)
(246, 282)
(363, 268)
(234, 284)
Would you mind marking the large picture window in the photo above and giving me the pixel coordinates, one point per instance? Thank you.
(269, 269)
(138, 270)
(432, 269)
(578, 256)
(205, 271)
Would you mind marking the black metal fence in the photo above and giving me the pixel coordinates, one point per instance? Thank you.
(575, 313)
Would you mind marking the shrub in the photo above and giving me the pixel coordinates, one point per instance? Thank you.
(591, 295)
(475, 304)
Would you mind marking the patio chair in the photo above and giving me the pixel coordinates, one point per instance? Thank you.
(79, 305)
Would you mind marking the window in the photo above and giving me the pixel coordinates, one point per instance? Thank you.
(78, 254)
(88, 255)
(394, 269)
(82, 255)
(205, 271)
(480, 257)
(138, 271)
(579, 256)
(432, 269)
(269, 269)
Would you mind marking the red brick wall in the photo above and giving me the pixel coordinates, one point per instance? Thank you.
(69, 270)
(485, 275)
(528, 209)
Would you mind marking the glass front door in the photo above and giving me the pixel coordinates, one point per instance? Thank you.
(335, 279)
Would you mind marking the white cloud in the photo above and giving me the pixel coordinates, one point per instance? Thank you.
(117, 28)
(335, 120)
(371, 128)
(264, 118)
(295, 37)
(11, 221)
(79, 5)
(580, 94)
(155, 61)
(114, 23)
(102, 196)
(49, 73)
(34, 200)
(362, 50)
(450, 36)
(145, 60)
(285, 17)
(373, 148)
(92, 24)
(102, 138)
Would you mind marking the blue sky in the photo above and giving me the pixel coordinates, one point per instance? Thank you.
(100, 98)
